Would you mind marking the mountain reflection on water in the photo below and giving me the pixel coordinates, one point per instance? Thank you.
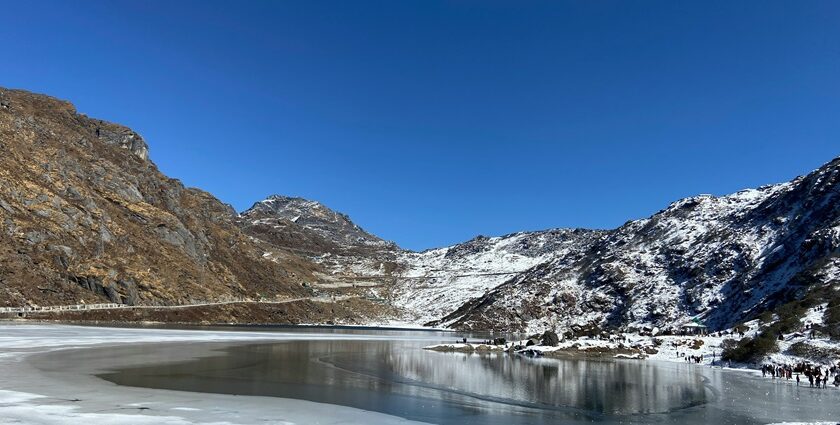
(399, 378)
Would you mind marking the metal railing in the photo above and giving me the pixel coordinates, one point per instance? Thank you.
(34, 309)
(191, 303)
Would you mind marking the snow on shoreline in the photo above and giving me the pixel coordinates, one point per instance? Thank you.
(70, 394)
(673, 348)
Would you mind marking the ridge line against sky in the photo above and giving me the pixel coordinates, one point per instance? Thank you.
(430, 122)
(654, 209)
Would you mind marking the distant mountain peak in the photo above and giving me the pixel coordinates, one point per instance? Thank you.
(314, 216)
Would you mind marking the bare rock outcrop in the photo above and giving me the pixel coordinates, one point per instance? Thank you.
(86, 216)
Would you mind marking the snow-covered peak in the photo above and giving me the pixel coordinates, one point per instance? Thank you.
(718, 258)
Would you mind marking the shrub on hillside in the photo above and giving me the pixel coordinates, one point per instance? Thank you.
(749, 350)
(728, 344)
(789, 317)
(766, 317)
(831, 318)
(814, 353)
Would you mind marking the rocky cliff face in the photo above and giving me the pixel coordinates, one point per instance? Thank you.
(86, 216)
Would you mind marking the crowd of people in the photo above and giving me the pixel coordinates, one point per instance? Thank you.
(817, 376)
(693, 359)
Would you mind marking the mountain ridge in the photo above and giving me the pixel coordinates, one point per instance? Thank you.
(87, 216)
(704, 251)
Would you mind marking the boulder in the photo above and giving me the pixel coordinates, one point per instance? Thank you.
(550, 339)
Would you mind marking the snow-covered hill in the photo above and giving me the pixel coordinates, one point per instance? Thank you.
(434, 283)
(717, 259)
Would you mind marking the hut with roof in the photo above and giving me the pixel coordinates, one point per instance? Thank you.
(694, 327)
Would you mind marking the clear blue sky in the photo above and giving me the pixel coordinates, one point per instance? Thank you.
(432, 122)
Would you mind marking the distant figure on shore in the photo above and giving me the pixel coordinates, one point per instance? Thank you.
(797, 380)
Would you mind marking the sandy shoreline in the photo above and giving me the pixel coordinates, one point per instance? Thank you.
(67, 392)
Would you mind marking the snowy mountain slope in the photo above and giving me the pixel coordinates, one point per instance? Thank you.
(436, 282)
(718, 259)
(424, 285)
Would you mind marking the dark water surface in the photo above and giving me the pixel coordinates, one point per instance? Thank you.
(397, 377)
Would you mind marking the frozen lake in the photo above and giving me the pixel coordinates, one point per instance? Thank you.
(370, 376)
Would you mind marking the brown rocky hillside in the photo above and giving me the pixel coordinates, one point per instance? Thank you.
(86, 216)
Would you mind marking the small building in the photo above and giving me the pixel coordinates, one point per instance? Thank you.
(694, 328)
